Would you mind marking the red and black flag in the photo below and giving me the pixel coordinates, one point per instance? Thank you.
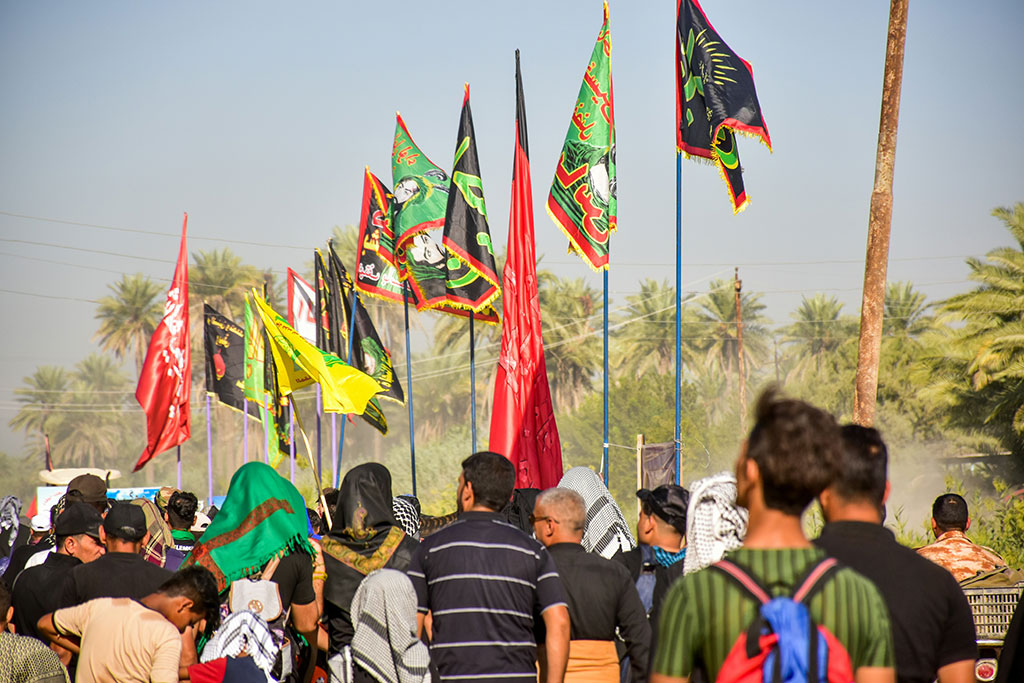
(472, 279)
(715, 99)
(378, 269)
(224, 342)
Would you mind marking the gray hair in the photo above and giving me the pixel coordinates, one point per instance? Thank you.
(569, 505)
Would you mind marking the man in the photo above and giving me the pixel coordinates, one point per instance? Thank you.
(39, 543)
(484, 582)
(38, 589)
(932, 626)
(952, 549)
(180, 514)
(601, 594)
(118, 639)
(88, 488)
(24, 659)
(789, 457)
(121, 572)
(657, 560)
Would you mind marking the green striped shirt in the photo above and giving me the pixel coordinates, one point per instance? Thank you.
(705, 612)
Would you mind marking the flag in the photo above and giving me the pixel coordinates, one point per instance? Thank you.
(715, 99)
(224, 343)
(257, 387)
(299, 364)
(427, 263)
(378, 270)
(276, 425)
(523, 422)
(472, 279)
(421, 190)
(582, 201)
(166, 377)
(301, 304)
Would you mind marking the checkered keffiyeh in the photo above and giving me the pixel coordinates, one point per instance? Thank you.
(385, 643)
(606, 531)
(10, 508)
(407, 515)
(714, 523)
(243, 632)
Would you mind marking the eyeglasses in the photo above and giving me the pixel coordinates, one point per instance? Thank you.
(534, 519)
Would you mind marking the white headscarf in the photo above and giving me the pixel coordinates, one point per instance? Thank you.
(714, 523)
(243, 632)
(606, 531)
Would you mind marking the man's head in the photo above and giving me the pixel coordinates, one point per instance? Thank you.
(860, 488)
(124, 528)
(791, 455)
(949, 513)
(559, 516)
(40, 527)
(6, 609)
(662, 520)
(88, 488)
(78, 532)
(181, 510)
(486, 482)
(187, 598)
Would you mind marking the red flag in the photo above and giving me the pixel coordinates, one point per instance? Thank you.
(166, 378)
(523, 423)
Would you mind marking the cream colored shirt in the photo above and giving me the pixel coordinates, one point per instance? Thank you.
(122, 640)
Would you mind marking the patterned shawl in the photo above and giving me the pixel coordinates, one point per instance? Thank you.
(262, 515)
(160, 538)
(10, 508)
(606, 531)
(385, 643)
(714, 523)
(243, 632)
(407, 514)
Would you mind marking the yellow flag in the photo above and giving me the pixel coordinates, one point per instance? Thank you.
(300, 364)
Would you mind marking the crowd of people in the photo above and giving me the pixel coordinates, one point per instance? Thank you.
(716, 582)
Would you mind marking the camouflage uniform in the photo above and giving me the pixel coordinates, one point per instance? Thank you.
(954, 551)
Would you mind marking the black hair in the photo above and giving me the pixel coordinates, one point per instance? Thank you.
(863, 462)
(796, 447)
(198, 585)
(181, 510)
(950, 512)
(315, 521)
(5, 598)
(493, 478)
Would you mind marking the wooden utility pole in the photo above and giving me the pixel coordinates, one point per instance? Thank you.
(880, 221)
(738, 287)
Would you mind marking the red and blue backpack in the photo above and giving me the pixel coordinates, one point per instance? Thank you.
(782, 644)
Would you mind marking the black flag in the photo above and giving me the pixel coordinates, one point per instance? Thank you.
(224, 341)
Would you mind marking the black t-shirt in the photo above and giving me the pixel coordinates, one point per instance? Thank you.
(931, 620)
(21, 555)
(294, 579)
(37, 592)
(114, 575)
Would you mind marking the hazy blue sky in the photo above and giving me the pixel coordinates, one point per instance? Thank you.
(257, 118)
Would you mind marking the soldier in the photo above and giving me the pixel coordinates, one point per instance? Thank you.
(952, 549)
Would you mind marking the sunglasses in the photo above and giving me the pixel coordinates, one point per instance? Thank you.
(534, 519)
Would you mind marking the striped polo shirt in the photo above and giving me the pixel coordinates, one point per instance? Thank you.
(485, 582)
(705, 612)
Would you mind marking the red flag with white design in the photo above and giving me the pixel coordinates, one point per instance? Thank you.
(301, 306)
(166, 378)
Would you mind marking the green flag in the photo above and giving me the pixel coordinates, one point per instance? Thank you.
(582, 200)
(420, 196)
(255, 388)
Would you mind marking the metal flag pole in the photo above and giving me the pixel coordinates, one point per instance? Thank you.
(179, 466)
(348, 359)
(245, 430)
(408, 384)
(334, 449)
(679, 305)
(266, 431)
(319, 415)
(604, 459)
(209, 452)
(472, 379)
(291, 438)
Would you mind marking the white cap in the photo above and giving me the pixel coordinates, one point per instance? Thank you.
(41, 522)
(202, 521)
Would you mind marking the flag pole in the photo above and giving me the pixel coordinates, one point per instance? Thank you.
(334, 449)
(319, 413)
(245, 430)
(291, 438)
(312, 466)
(209, 452)
(408, 384)
(679, 306)
(179, 465)
(604, 459)
(266, 432)
(472, 379)
(348, 359)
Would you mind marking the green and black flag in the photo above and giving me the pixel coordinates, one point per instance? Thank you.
(583, 194)
(277, 408)
(224, 341)
(715, 99)
(421, 191)
(472, 279)
(378, 270)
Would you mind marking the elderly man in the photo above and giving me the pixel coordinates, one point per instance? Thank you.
(601, 594)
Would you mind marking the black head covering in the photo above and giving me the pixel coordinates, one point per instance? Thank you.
(364, 512)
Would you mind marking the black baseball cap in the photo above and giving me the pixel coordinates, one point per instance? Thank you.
(126, 522)
(79, 518)
(669, 502)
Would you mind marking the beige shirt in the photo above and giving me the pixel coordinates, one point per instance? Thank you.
(122, 640)
(954, 551)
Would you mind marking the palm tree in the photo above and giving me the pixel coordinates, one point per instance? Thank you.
(93, 417)
(570, 316)
(818, 333)
(645, 339)
(220, 279)
(42, 396)
(129, 317)
(906, 311)
(716, 326)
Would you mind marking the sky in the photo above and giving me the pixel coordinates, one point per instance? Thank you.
(257, 119)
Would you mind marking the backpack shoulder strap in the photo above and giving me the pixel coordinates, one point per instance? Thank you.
(744, 579)
(814, 578)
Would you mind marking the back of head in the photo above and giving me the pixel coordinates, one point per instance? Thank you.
(863, 461)
(198, 585)
(365, 499)
(5, 600)
(125, 522)
(567, 507)
(796, 448)
(181, 509)
(493, 478)
(950, 512)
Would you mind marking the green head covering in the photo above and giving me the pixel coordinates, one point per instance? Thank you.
(262, 515)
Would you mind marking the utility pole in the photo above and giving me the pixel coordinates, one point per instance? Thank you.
(880, 222)
(738, 287)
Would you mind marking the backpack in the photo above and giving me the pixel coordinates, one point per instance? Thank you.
(782, 644)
